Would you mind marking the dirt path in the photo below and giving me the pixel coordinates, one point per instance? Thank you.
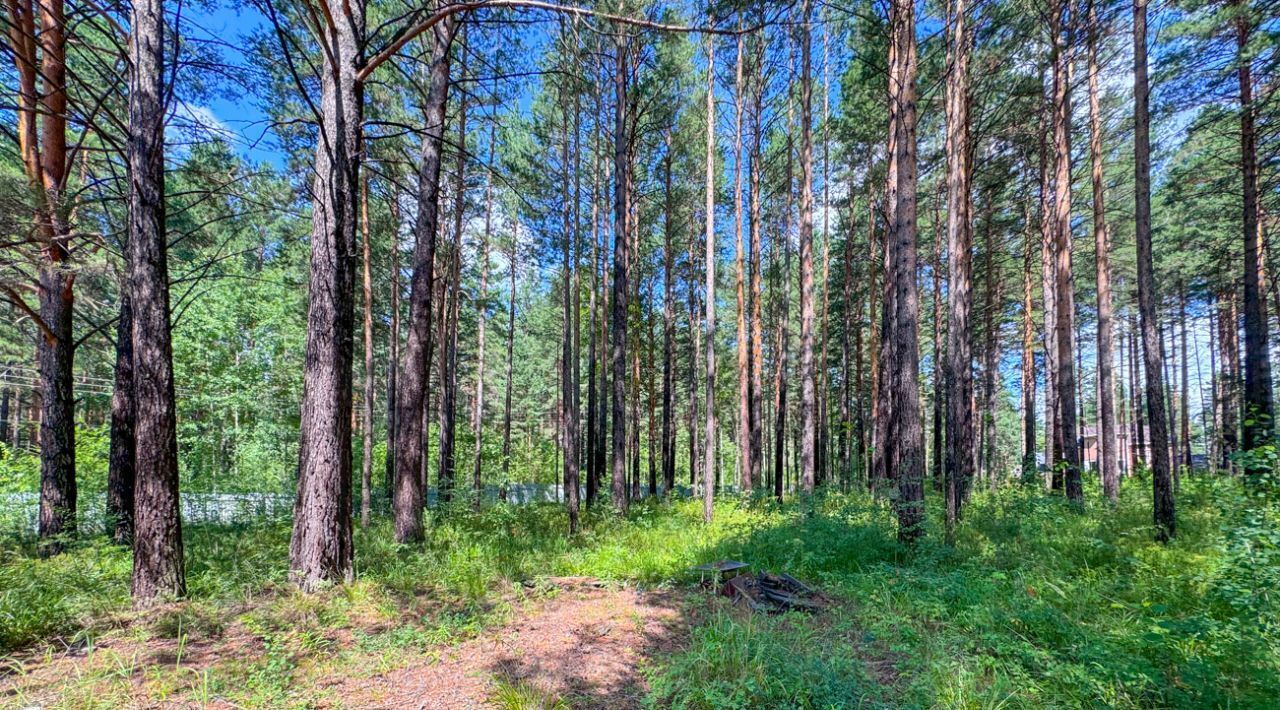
(586, 646)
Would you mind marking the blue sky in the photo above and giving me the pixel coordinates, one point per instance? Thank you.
(243, 117)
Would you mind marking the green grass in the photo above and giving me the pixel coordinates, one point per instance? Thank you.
(1037, 605)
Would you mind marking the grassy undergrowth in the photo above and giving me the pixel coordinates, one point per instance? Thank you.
(1037, 605)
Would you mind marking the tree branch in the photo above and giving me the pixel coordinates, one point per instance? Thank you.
(453, 9)
(21, 303)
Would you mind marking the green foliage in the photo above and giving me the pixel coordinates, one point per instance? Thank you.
(761, 661)
(522, 696)
(19, 471)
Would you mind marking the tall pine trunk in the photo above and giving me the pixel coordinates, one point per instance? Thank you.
(668, 328)
(1152, 351)
(482, 318)
(120, 465)
(411, 400)
(709, 327)
(621, 294)
(992, 316)
(1257, 360)
(393, 345)
(755, 360)
(808, 383)
(1067, 451)
(1028, 356)
(743, 342)
(959, 371)
(509, 377)
(447, 474)
(157, 542)
(903, 443)
(939, 368)
(38, 47)
(784, 337)
(1229, 379)
(366, 460)
(1106, 434)
(568, 378)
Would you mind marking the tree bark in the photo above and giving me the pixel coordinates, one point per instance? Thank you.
(992, 317)
(784, 335)
(755, 360)
(1067, 453)
(1106, 434)
(320, 548)
(1184, 415)
(482, 317)
(743, 342)
(6, 398)
(867, 389)
(1257, 359)
(568, 379)
(846, 441)
(393, 346)
(959, 378)
(668, 327)
(695, 357)
(1152, 351)
(39, 52)
(621, 294)
(709, 327)
(1170, 402)
(1229, 387)
(121, 474)
(808, 383)
(1048, 252)
(824, 368)
(447, 474)
(939, 367)
(1028, 357)
(366, 460)
(511, 351)
(904, 441)
(157, 543)
(411, 400)
(1139, 423)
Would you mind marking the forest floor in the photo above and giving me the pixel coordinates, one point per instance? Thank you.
(1038, 604)
(577, 645)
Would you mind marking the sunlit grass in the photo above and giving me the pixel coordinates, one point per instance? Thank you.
(1038, 604)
